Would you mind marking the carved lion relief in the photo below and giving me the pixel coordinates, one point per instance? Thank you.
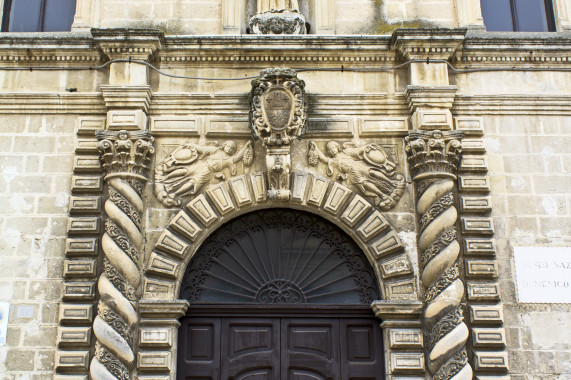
(366, 166)
(191, 166)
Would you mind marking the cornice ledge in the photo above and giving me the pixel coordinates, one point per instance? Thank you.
(149, 309)
(122, 43)
(138, 97)
(390, 310)
(423, 43)
(430, 96)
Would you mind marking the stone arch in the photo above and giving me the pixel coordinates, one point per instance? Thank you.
(334, 202)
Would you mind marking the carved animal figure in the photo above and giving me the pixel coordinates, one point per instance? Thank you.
(367, 167)
(189, 167)
(271, 5)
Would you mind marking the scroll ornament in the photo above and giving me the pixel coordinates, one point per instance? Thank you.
(433, 158)
(365, 166)
(278, 17)
(125, 158)
(191, 166)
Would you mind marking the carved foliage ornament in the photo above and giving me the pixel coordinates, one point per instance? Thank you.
(278, 106)
(191, 166)
(366, 166)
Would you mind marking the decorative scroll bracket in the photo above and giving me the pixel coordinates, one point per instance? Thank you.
(278, 115)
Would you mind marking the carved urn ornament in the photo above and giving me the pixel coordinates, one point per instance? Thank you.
(277, 17)
(278, 115)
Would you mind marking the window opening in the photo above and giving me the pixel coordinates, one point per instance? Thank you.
(38, 15)
(518, 15)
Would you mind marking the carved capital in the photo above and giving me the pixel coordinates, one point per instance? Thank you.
(125, 154)
(282, 21)
(433, 154)
(427, 43)
(278, 106)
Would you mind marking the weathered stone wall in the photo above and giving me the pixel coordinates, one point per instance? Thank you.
(36, 159)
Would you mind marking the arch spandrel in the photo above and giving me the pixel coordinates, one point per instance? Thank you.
(227, 200)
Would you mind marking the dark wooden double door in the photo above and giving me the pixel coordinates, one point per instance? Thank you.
(265, 346)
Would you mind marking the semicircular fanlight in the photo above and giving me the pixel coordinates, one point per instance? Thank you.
(279, 256)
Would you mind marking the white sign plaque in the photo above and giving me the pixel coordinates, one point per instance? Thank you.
(4, 309)
(543, 274)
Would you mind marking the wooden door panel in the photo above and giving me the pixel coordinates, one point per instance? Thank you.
(250, 348)
(361, 349)
(310, 348)
(199, 354)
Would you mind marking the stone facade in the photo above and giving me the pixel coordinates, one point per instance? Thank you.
(437, 147)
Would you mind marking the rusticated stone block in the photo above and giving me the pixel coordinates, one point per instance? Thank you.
(71, 377)
(74, 336)
(88, 125)
(396, 266)
(491, 361)
(159, 361)
(86, 164)
(480, 205)
(483, 291)
(318, 191)
(484, 337)
(405, 338)
(184, 224)
(472, 163)
(154, 337)
(160, 289)
(86, 146)
(81, 247)
(200, 208)
(221, 198)
(372, 226)
(241, 191)
(486, 314)
(170, 243)
(482, 226)
(481, 268)
(79, 268)
(71, 360)
(84, 205)
(471, 125)
(386, 244)
(85, 184)
(476, 184)
(473, 146)
(259, 186)
(79, 291)
(336, 198)
(400, 290)
(405, 362)
(299, 186)
(90, 226)
(356, 210)
(162, 265)
(75, 313)
(479, 247)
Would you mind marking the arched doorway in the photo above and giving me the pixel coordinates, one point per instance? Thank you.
(279, 294)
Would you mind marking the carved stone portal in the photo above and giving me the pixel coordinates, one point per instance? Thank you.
(367, 167)
(191, 166)
(278, 115)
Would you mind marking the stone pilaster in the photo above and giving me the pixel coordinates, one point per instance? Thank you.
(430, 95)
(125, 158)
(433, 160)
(403, 338)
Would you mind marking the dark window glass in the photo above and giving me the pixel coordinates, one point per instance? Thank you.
(38, 15)
(518, 15)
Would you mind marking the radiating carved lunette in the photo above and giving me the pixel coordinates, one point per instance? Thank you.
(433, 159)
(191, 166)
(278, 115)
(366, 166)
(277, 17)
(125, 158)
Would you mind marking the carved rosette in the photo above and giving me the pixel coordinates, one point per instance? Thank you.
(433, 159)
(278, 115)
(125, 158)
(284, 21)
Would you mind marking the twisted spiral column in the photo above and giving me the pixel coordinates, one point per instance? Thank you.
(125, 157)
(433, 158)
